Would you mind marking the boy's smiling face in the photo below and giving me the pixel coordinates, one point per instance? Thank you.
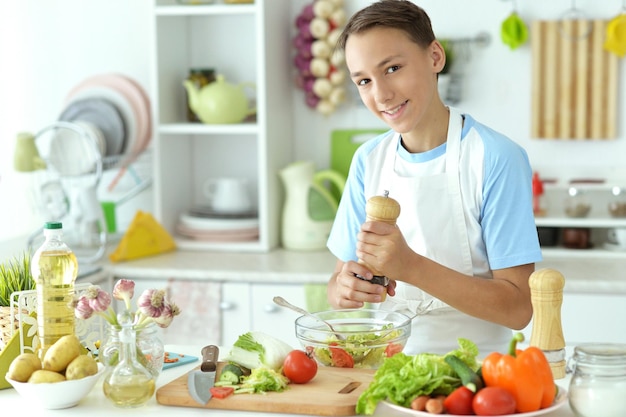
(395, 77)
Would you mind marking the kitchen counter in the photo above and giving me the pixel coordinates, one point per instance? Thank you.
(96, 405)
(277, 266)
(593, 276)
(582, 276)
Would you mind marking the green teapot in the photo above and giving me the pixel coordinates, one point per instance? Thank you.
(219, 102)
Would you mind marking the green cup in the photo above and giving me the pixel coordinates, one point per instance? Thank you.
(108, 207)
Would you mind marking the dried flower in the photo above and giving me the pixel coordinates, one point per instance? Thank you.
(153, 305)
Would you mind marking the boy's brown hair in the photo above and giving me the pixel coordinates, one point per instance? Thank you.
(396, 14)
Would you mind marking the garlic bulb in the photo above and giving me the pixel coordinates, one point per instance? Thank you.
(320, 67)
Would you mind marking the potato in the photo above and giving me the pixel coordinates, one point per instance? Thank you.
(81, 367)
(43, 376)
(61, 353)
(23, 366)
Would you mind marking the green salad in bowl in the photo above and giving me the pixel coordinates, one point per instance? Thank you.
(362, 338)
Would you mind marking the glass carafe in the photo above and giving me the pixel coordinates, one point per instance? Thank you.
(129, 384)
(149, 347)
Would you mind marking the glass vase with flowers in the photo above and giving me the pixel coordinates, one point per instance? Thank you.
(132, 351)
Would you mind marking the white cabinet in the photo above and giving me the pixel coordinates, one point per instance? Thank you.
(250, 307)
(593, 318)
(235, 310)
(186, 154)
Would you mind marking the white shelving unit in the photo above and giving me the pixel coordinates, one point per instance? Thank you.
(186, 154)
(598, 220)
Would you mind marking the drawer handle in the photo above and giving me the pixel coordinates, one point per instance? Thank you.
(270, 308)
(227, 305)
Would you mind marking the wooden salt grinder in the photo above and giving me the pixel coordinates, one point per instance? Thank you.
(381, 209)
(546, 289)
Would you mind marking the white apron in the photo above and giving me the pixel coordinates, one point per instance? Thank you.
(444, 240)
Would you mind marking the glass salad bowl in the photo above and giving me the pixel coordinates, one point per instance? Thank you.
(359, 338)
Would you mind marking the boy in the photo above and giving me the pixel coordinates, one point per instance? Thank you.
(465, 242)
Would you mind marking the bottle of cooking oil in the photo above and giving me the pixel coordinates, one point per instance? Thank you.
(54, 268)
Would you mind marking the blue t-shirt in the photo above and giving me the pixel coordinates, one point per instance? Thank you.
(496, 188)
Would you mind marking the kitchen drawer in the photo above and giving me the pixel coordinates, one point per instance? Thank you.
(235, 311)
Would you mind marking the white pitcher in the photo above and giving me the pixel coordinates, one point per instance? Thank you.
(310, 207)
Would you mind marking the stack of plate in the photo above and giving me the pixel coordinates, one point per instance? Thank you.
(205, 224)
(117, 106)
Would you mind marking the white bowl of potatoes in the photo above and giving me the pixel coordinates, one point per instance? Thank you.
(61, 380)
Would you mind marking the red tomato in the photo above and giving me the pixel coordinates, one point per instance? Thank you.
(392, 349)
(459, 402)
(493, 401)
(299, 367)
(221, 392)
(341, 358)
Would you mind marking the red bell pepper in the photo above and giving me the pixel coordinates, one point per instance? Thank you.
(526, 374)
(221, 392)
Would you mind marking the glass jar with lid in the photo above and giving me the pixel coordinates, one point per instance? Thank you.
(577, 204)
(598, 384)
(617, 203)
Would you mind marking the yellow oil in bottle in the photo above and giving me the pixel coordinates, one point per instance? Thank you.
(135, 391)
(54, 268)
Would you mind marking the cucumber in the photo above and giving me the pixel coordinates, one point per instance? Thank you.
(468, 376)
(231, 373)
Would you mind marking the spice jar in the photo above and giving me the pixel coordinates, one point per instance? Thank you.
(577, 237)
(598, 384)
(617, 204)
(577, 204)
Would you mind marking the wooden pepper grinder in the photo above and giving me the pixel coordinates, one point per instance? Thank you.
(381, 209)
(546, 289)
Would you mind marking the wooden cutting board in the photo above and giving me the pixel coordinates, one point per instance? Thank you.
(333, 392)
(575, 81)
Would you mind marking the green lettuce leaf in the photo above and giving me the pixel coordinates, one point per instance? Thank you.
(402, 377)
(262, 380)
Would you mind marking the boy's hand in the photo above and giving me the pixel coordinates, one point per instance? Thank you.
(382, 248)
(352, 292)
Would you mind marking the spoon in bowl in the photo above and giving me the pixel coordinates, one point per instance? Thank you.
(284, 303)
